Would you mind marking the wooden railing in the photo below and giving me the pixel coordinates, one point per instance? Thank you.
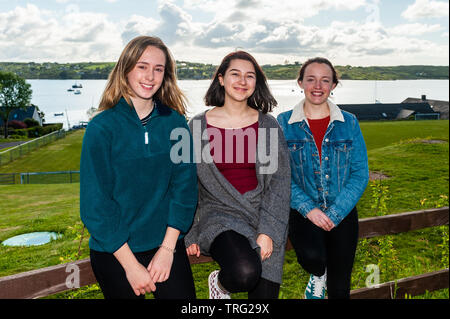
(50, 280)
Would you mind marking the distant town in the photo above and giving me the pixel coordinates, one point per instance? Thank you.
(200, 71)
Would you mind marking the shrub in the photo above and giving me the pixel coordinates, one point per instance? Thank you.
(35, 131)
(21, 132)
(15, 136)
(31, 122)
(15, 124)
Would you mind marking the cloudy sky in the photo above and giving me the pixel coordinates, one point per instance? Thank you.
(355, 32)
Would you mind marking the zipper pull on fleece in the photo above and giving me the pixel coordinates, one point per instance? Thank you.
(146, 137)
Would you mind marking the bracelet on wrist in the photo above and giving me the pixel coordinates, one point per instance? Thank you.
(172, 250)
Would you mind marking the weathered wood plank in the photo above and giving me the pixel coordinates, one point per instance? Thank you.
(46, 281)
(402, 222)
(413, 286)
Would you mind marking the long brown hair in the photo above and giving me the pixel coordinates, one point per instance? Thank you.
(261, 100)
(117, 86)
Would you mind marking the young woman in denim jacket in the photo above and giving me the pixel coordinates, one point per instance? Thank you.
(329, 175)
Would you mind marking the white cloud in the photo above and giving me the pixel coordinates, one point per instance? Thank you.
(426, 9)
(255, 10)
(272, 31)
(74, 36)
(175, 25)
(415, 29)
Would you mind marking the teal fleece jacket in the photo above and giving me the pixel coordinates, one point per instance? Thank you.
(130, 190)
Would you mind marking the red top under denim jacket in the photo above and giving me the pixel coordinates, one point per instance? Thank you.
(318, 129)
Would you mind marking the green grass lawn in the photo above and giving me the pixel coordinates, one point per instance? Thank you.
(418, 178)
(381, 134)
(61, 155)
(8, 140)
(32, 208)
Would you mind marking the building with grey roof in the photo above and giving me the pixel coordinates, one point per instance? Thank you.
(436, 105)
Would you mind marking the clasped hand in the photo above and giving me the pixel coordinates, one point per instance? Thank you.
(143, 279)
(320, 219)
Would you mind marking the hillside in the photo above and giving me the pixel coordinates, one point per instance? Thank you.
(61, 155)
(197, 71)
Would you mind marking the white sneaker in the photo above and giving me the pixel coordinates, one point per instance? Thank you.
(214, 290)
(316, 287)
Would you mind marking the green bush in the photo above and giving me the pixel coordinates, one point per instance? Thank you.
(20, 132)
(51, 128)
(37, 131)
(15, 137)
(31, 122)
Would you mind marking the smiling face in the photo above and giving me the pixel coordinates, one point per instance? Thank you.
(317, 83)
(239, 80)
(147, 76)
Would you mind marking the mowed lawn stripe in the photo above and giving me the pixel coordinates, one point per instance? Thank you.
(61, 155)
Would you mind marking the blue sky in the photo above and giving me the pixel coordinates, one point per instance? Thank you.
(355, 32)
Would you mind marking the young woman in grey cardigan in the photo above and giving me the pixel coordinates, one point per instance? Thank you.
(243, 209)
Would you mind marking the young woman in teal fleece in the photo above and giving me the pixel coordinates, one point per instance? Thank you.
(135, 201)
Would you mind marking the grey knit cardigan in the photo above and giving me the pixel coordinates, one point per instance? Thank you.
(264, 210)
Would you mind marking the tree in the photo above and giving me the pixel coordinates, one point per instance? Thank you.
(15, 93)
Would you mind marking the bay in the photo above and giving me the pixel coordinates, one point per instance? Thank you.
(52, 97)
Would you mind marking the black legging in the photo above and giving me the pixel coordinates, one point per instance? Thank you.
(240, 267)
(114, 284)
(334, 251)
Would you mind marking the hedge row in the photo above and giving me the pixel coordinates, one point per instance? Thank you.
(36, 131)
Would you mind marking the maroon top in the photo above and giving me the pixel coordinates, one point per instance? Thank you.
(318, 129)
(234, 153)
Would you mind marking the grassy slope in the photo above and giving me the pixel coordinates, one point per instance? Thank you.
(381, 134)
(64, 154)
(61, 155)
(417, 170)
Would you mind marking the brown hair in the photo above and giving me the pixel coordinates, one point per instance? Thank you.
(318, 60)
(117, 86)
(261, 99)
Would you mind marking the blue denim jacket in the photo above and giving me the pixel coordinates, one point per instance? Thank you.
(336, 185)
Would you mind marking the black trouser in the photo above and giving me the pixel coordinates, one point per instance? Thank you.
(114, 284)
(240, 267)
(334, 251)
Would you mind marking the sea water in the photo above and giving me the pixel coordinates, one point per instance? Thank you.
(52, 96)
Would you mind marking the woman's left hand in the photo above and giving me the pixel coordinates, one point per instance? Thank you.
(266, 244)
(160, 265)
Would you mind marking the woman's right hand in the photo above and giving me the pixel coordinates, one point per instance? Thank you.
(320, 219)
(140, 279)
(137, 275)
(193, 249)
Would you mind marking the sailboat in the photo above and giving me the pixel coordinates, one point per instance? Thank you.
(77, 86)
(377, 101)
